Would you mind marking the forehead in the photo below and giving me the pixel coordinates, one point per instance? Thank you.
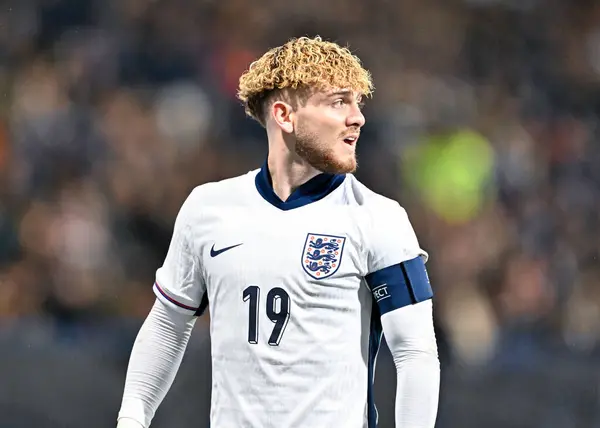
(326, 92)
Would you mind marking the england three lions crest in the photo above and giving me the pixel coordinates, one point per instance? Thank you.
(322, 255)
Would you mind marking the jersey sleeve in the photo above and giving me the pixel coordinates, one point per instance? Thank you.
(179, 283)
(397, 276)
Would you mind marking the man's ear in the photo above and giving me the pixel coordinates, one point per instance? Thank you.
(283, 115)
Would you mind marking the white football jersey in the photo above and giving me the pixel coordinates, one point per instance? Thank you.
(295, 290)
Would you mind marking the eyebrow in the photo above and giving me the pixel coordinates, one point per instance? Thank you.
(345, 93)
(341, 92)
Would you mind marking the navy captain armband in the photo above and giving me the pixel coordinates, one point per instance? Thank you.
(400, 285)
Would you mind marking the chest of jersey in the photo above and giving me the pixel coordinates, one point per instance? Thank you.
(303, 266)
(309, 248)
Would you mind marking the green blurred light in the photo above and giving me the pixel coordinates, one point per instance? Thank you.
(452, 173)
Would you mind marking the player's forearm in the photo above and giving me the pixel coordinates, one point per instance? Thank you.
(417, 390)
(410, 336)
(129, 423)
(155, 359)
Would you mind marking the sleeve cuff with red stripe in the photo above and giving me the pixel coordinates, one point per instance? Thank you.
(177, 305)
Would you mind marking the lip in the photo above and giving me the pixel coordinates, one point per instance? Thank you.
(354, 141)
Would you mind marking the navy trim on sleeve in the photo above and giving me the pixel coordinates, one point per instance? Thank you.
(400, 285)
(203, 305)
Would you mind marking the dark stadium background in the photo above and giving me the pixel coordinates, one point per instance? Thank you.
(484, 125)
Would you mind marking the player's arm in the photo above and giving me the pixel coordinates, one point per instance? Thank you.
(162, 339)
(154, 361)
(402, 294)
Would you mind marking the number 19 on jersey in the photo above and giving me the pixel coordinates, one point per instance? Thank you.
(277, 310)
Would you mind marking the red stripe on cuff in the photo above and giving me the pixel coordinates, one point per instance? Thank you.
(175, 302)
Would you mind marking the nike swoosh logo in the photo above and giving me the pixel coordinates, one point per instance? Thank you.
(215, 253)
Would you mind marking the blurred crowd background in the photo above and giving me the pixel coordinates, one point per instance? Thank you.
(484, 126)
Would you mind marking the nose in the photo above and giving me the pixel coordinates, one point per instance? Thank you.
(356, 118)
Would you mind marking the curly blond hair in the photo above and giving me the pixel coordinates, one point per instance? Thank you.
(301, 63)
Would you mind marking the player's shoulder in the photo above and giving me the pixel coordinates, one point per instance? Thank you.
(226, 190)
(388, 231)
(374, 203)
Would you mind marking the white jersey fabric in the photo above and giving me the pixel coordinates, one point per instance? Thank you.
(295, 291)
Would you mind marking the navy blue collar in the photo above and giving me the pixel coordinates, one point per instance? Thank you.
(313, 190)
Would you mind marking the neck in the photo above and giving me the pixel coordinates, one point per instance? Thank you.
(288, 171)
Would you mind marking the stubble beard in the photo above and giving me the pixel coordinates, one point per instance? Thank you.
(321, 156)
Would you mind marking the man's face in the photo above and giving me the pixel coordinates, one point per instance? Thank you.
(327, 128)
